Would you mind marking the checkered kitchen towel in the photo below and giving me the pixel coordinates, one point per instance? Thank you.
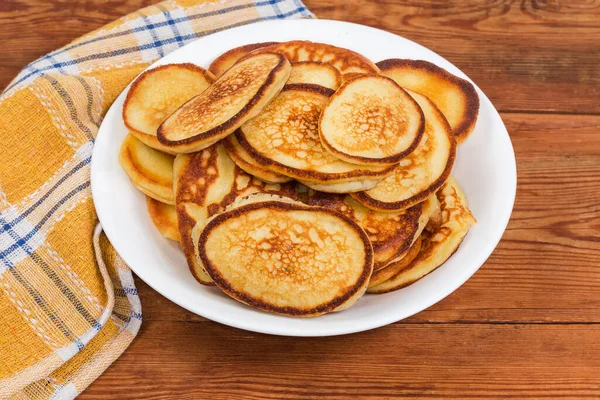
(68, 304)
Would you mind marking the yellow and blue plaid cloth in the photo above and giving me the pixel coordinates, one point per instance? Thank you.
(68, 304)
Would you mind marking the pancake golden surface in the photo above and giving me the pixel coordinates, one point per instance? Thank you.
(227, 59)
(206, 183)
(243, 160)
(456, 98)
(157, 93)
(344, 60)
(284, 138)
(439, 245)
(422, 172)
(371, 120)
(394, 268)
(390, 234)
(149, 170)
(164, 218)
(286, 257)
(235, 97)
(316, 73)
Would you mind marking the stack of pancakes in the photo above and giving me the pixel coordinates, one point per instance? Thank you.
(297, 176)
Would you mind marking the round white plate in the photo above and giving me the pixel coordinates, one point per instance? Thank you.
(485, 167)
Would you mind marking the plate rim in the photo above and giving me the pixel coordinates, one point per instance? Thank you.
(388, 318)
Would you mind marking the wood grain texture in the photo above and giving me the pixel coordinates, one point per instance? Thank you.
(419, 361)
(526, 325)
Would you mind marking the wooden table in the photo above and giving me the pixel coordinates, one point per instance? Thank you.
(526, 325)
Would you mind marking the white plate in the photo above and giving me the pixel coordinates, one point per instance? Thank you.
(485, 167)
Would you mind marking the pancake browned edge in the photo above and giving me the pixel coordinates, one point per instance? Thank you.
(389, 271)
(391, 234)
(345, 60)
(347, 294)
(149, 170)
(245, 161)
(316, 73)
(437, 246)
(352, 174)
(170, 86)
(235, 97)
(164, 218)
(227, 59)
(207, 182)
(438, 85)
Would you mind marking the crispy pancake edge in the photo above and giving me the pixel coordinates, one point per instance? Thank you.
(256, 169)
(161, 220)
(319, 64)
(138, 179)
(466, 126)
(367, 65)
(394, 268)
(224, 285)
(216, 66)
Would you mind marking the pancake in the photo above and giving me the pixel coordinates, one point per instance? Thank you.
(422, 172)
(346, 61)
(316, 73)
(455, 97)
(164, 217)
(206, 183)
(243, 160)
(392, 269)
(435, 221)
(390, 234)
(149, 170)
(438, 246)
(157, 93)
(235, 97)
(284, 138)
(286, 257)
(371, 120)
(227, 59)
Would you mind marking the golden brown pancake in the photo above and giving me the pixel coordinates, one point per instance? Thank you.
(149, 170)
(422, 172)
(371, 120)
(227, 59)
(243, 160)
(438, 246)
(391, 234)
(346, 61)
(284, 138)
(316, 73)
(392, 269)
(164, 217)
(206, 183)
(157, 93)
(235, 97)
(285, 257)
(455, 97)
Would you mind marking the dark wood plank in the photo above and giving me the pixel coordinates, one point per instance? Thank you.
(206, 360)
